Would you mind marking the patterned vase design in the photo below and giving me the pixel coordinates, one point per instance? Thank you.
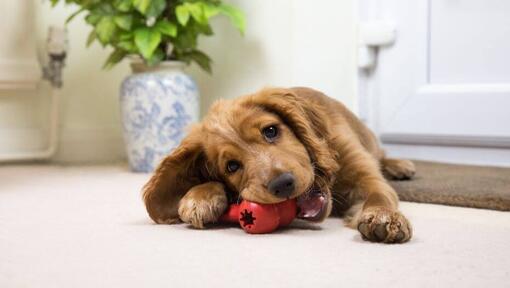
(156, 107)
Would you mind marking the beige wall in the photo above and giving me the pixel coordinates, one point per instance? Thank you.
(288, 42)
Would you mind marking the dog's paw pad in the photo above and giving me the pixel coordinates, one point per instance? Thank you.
(380, 232)
(380, 224)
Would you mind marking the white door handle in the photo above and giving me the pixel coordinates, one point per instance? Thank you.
(372, 35)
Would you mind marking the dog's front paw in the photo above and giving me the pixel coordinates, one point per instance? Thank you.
(202, 205)
(381, 224)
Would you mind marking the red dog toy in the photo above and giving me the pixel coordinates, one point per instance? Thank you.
(257, 218)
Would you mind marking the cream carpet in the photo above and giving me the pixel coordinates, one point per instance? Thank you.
(87, 227)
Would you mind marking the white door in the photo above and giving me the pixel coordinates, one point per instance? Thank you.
(442, 90)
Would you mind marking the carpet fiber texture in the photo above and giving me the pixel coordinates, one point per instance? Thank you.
(87, 227)
(457, 185)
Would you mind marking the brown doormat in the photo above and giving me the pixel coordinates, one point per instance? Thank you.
(457, 185)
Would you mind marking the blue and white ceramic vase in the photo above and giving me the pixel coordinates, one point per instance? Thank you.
(156, 105)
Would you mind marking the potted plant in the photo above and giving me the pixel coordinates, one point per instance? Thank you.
(160, 37)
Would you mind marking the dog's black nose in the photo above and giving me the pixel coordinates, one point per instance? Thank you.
(282, 185)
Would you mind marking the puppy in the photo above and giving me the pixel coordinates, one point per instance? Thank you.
(278, 144)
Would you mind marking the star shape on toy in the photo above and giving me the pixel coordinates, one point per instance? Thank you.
(247, 218)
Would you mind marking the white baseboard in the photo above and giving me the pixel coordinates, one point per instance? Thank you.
(80, 145)
(446, 140)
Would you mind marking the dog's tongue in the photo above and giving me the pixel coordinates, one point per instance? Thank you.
(312, 205)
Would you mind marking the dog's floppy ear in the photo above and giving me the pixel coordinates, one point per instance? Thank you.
(184, 168)
(308, 122)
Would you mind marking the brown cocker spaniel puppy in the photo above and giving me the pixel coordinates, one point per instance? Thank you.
(278, 144)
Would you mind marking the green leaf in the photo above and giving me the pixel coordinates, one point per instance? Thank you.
(92, 36)
(205, 29)
(236, 16)
(124, 21)
(74, 15)
(197, 12)
(210, 10)
(156, 8)
(142, 5)
(128, 46)
(93, 18)
(157, 57)
(150, 8)
(182, 14)
(202, 60)
(186, 39)
(167, 28)
(147, 40)
(54, 3)
(103, 7)
(115, 57)
(123, 36)
(123, 5)
(106, 29)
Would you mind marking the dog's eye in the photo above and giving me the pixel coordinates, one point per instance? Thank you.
(270, 133)
(233, 166)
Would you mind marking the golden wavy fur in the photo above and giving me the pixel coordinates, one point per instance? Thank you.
(319, 141)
